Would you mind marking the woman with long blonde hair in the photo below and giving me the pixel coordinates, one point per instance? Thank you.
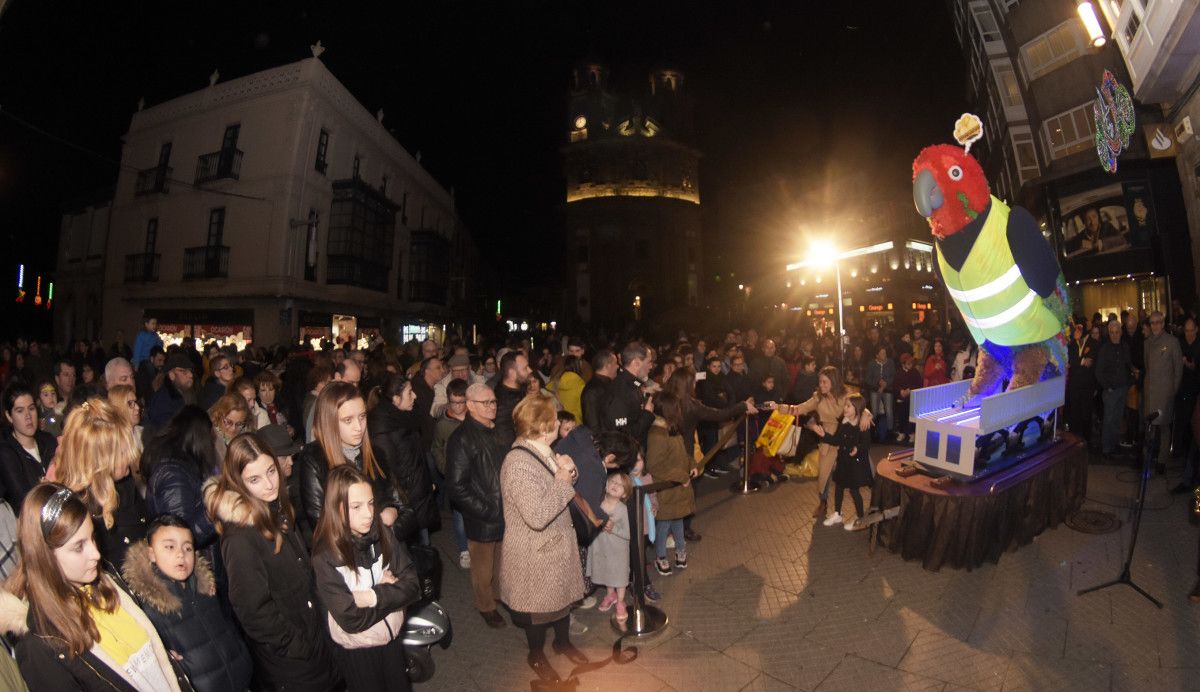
(78, 629)
(96, 458)
(340, 423)
(270, 576)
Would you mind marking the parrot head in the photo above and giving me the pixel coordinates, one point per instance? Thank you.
(949, 188)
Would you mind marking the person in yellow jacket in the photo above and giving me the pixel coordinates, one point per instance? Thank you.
(568, 386)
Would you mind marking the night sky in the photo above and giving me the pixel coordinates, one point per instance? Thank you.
(808, 114)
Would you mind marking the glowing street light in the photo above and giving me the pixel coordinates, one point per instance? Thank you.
(823, 254)
(1091, 22)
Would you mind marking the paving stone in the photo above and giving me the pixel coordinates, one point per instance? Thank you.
(1142, 678)
(933, 655)
(1111, 643)
(1048, 673)
(855, 674)
(777, 649)
(685, 663)
(1016, 629)
(883, 640)
(766, 683)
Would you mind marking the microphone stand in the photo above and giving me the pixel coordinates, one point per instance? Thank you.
(1153, 432)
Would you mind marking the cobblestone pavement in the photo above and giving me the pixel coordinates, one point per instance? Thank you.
(771, 602)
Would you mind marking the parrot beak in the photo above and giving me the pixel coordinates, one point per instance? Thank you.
(927, 196)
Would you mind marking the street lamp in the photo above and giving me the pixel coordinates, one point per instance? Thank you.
(822, 254)
(1087, 14)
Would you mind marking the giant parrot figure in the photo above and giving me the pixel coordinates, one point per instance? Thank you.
(999, 269)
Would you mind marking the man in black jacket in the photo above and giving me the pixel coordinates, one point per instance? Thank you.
(626, 408)
(514, 378)
(604, 369)
(175, 393)
(1114, 369)
(474, 454)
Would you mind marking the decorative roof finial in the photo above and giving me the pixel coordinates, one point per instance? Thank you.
(379, 115)
(212, 78)
(317, 49)
(141, 104)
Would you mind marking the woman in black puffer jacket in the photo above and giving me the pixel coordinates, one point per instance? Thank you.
(396, 438)
(340, 422)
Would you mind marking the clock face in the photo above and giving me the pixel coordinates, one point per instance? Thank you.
(580, 122)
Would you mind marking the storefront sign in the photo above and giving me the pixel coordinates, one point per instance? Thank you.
(1160, 140)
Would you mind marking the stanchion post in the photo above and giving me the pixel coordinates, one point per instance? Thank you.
(644, 620)
(744, 486)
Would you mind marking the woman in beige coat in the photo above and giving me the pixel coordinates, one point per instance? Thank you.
(540, 575)
(828, 402)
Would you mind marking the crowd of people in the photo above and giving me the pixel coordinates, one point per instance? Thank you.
(230, 520)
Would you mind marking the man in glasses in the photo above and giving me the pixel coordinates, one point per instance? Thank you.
(474, 453)
(452, 416)
(1164, 373)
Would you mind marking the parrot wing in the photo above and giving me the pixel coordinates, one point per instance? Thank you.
(1032, 252)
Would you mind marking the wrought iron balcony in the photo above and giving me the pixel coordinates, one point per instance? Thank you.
(153, 181)
(141, 267)
(226, 163)
(206, 262)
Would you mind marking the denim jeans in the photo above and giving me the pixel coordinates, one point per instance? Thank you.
(1114, 409)
(882, 407)
(460, 532)
(674, 527)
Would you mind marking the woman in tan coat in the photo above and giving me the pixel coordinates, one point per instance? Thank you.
(828, 402)
(540, 574)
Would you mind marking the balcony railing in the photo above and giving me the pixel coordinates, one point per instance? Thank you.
(153, 181)
(206, 262)
(141, 267)
(226, 163)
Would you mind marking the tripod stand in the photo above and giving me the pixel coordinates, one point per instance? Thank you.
(1153, 433)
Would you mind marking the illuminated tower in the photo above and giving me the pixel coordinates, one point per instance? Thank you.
(633, 200)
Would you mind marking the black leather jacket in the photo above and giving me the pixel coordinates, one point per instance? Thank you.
(396, 440)
(313, 470)
(473, 457)
(507, 399)
(592, 401)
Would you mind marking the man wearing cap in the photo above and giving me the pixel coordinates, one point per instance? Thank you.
(460, 369)
(907, 380)
(283, 448)
(175, 393)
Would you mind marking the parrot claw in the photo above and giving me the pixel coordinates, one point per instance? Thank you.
(964, 402)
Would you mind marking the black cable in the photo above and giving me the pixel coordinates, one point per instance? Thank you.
(79, 147)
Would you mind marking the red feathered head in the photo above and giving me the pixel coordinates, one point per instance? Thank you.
(949, 188)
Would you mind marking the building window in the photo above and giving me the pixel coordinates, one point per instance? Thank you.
(164, 155)
(216, 226)
(1070, 132)
(1025, 155)
(1006, 84)
(362, 224)
(1007, 6)
(985, 21)
(429, 278)
(151, 235)
(230, 139)
(1053, 49)
(322, 150)
(311, 249)
(357, 169)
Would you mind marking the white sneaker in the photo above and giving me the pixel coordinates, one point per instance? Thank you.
(670, 542)
(464, 560)
(588, 602)
(833, 519)
(849, 526)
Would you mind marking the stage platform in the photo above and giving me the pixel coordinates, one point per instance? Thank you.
(963, 524)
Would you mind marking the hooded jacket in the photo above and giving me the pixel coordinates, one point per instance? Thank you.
(190, 621)
(396, 440)
(273, 598)
(45, 665)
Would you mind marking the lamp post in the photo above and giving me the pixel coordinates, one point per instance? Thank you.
(822, 254)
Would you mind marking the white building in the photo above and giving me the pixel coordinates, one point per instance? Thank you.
(274, 207)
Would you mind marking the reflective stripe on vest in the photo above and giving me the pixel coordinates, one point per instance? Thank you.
(995, 301)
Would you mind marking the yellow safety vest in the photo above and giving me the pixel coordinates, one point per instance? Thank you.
(996, 303)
